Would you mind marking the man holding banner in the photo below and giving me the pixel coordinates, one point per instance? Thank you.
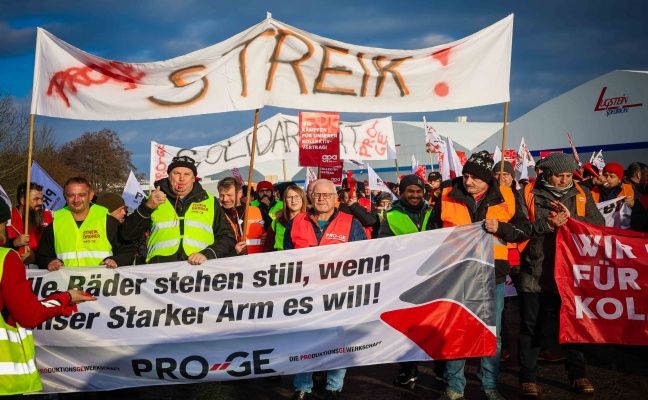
(476, 197)
(39, 218)
(185, 222)
(552, 200)
(322, 225)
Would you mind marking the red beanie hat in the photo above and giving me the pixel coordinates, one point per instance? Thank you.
(265, 185)
(614, 168)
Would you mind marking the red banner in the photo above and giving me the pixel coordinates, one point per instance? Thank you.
(319, 139)
(510, 156)
(602, 277)
(333, 173)
(545, 153)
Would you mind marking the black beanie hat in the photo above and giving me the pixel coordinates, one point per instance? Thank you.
(480, 164)
(111, 201)
(183, 161)
(508, 167)
(409, 180)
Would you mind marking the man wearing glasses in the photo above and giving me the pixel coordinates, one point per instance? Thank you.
(321, 225)
(185, 223)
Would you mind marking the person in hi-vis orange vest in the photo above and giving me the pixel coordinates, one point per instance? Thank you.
(477, 197)
(321, 225)
(229, 194)
(615, 187)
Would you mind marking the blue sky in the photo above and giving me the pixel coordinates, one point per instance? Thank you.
(557, 46)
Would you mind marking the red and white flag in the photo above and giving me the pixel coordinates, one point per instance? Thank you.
(433, 141)
(571, 143)
(452, 166)
(522, 152)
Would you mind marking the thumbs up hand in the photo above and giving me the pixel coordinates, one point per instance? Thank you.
(156, 198)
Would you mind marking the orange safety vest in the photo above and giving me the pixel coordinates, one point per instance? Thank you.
(255, 229)
(455, 213)
(337, 231)
(626, 190)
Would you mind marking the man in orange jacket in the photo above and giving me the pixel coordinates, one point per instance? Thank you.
(475, 197)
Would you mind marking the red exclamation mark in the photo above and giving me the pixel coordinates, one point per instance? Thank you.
(442, 89)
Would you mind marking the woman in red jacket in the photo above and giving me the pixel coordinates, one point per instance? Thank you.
(21, 308)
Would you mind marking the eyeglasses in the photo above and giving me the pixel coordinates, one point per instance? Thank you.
(325, 196)
(293, 198)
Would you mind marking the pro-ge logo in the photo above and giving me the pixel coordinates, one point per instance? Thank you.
(614, 105)
(329, 157)
(333, 236)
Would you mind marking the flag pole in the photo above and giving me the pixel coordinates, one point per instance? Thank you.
(249, 185)
(284, 169)
(501, 179)
(29, 163)
(431, 163)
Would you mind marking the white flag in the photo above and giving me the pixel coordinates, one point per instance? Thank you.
(375, 183)
(452, 167)
(53, 198)
(359, 163)
(497, 155)
(524, 172)
(433, 141)
(133, 193)
(522, 152)
(598, 161)
(414, 164)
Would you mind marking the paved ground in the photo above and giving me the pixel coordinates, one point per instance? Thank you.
(617, 372)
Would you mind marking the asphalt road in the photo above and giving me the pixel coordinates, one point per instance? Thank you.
(617, 372)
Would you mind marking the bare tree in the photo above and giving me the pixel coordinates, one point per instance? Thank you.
(102, 158)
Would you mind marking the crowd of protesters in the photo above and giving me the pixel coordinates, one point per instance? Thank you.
(180, 221)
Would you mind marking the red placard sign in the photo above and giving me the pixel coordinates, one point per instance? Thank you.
(319, 139)
(602, 277)
(333, 173)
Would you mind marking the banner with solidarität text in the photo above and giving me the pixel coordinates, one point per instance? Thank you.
(602, 276)
(413, 297)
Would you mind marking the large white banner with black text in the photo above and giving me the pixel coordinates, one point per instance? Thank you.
(423, 296)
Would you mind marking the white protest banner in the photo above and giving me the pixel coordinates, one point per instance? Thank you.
(615, 212)
(360, 303)
(53, 198)
(133, 193)
(277, 139)
(278, 65)
(375, 183)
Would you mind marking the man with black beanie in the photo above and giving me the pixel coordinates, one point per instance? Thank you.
(473, 197)
(185, 222)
